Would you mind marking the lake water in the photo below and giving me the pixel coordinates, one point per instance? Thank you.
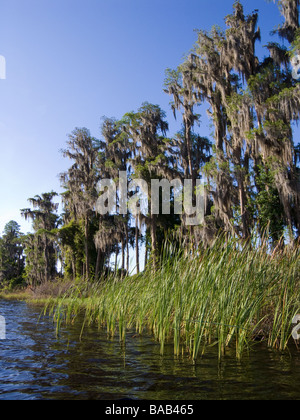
(35, 364)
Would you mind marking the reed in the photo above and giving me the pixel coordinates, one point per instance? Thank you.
(226, 296)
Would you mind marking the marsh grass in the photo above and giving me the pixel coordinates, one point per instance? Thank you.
(229, 296)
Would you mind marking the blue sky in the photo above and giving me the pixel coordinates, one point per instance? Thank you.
(70, 62)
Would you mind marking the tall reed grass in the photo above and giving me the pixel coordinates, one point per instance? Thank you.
(229, 295)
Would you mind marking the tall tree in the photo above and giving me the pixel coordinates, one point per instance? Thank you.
(45, 220)
(148, 129)
(252, 107)
(11, 255)
(81, 181)
(116, 159)
(179, 85)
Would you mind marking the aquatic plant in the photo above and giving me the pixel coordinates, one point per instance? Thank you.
(228, 295)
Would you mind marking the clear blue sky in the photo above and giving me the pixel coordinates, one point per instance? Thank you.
(69, 62)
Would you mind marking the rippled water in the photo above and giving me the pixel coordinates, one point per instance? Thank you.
(36, 365)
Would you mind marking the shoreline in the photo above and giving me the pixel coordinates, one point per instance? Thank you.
(15, 295)
(57, 306)
(224, 297)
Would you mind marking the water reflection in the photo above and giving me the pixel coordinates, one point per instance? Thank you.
(35, 364)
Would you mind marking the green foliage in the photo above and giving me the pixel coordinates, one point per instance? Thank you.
(251, 164)
(39, 247)
(228, 295)
(269, 209)
(12, 261)
(71, 238)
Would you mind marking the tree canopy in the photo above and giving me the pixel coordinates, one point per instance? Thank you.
(249, 166)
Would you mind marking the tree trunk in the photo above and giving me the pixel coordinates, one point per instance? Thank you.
(87, 256)
(123, 254)
(116, 259)
(245, 227)
(127, 249)
(46, 256)
(153, 239)
(137, 245)
(98, 264)
(146, 252)
(74, 267)
(188, 143)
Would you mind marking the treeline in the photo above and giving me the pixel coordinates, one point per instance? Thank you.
(250, 167)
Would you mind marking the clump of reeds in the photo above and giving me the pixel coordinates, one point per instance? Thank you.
(228, 295)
